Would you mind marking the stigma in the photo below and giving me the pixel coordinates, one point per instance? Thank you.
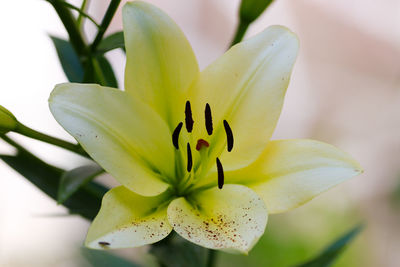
(201, 143)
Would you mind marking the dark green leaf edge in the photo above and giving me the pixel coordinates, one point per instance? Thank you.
(328, 256)
(111, 42)
(76, 178)
(69, 60)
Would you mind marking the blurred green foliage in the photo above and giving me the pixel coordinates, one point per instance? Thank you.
(395, 195)
(287, 243)
(330, 254)
(99, 258)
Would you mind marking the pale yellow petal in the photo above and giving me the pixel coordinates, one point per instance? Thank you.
(245, 87)
(231, 219)
(292, 172)
(127, 138)
(160, 62)
(129, 220)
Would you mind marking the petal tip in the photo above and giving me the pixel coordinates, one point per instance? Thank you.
(355, 165)
(359, 171)
(283, 30)
(137, 5)
(56, 90)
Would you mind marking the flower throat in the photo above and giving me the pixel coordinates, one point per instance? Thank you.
(201, 142)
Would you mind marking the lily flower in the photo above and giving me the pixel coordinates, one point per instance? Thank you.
(191, 149)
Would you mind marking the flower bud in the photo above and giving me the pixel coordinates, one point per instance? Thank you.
(7, 121)
(251, 9)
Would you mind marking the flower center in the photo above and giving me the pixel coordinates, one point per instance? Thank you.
(201, 145)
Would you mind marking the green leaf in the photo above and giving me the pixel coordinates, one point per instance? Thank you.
(69, 59)
(250, 10)
(112, 41)
(190, 255)
(99, 258)
(86, 201)
(74, 179)
(332, 252)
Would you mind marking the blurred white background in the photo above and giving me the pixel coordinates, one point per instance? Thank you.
(345, 90)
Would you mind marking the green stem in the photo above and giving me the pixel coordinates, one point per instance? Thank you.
(24, 130)
(240, 31)
(98, 71)
(105, 23)
(79, 20)
(212, 255)
(70, 25)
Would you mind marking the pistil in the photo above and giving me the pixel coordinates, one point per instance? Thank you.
(201, 143)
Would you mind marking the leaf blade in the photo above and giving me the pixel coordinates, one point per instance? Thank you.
(74, 179)
(111, 42)
(330, 254)
(69, 60)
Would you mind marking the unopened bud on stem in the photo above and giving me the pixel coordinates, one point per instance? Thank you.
(8, 122)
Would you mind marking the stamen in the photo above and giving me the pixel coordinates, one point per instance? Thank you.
(201, 143)
(189, 158)
(229, 135)
(220, 174)
(102, 243)
(209, 124)
(188, 117)
(175, 135)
